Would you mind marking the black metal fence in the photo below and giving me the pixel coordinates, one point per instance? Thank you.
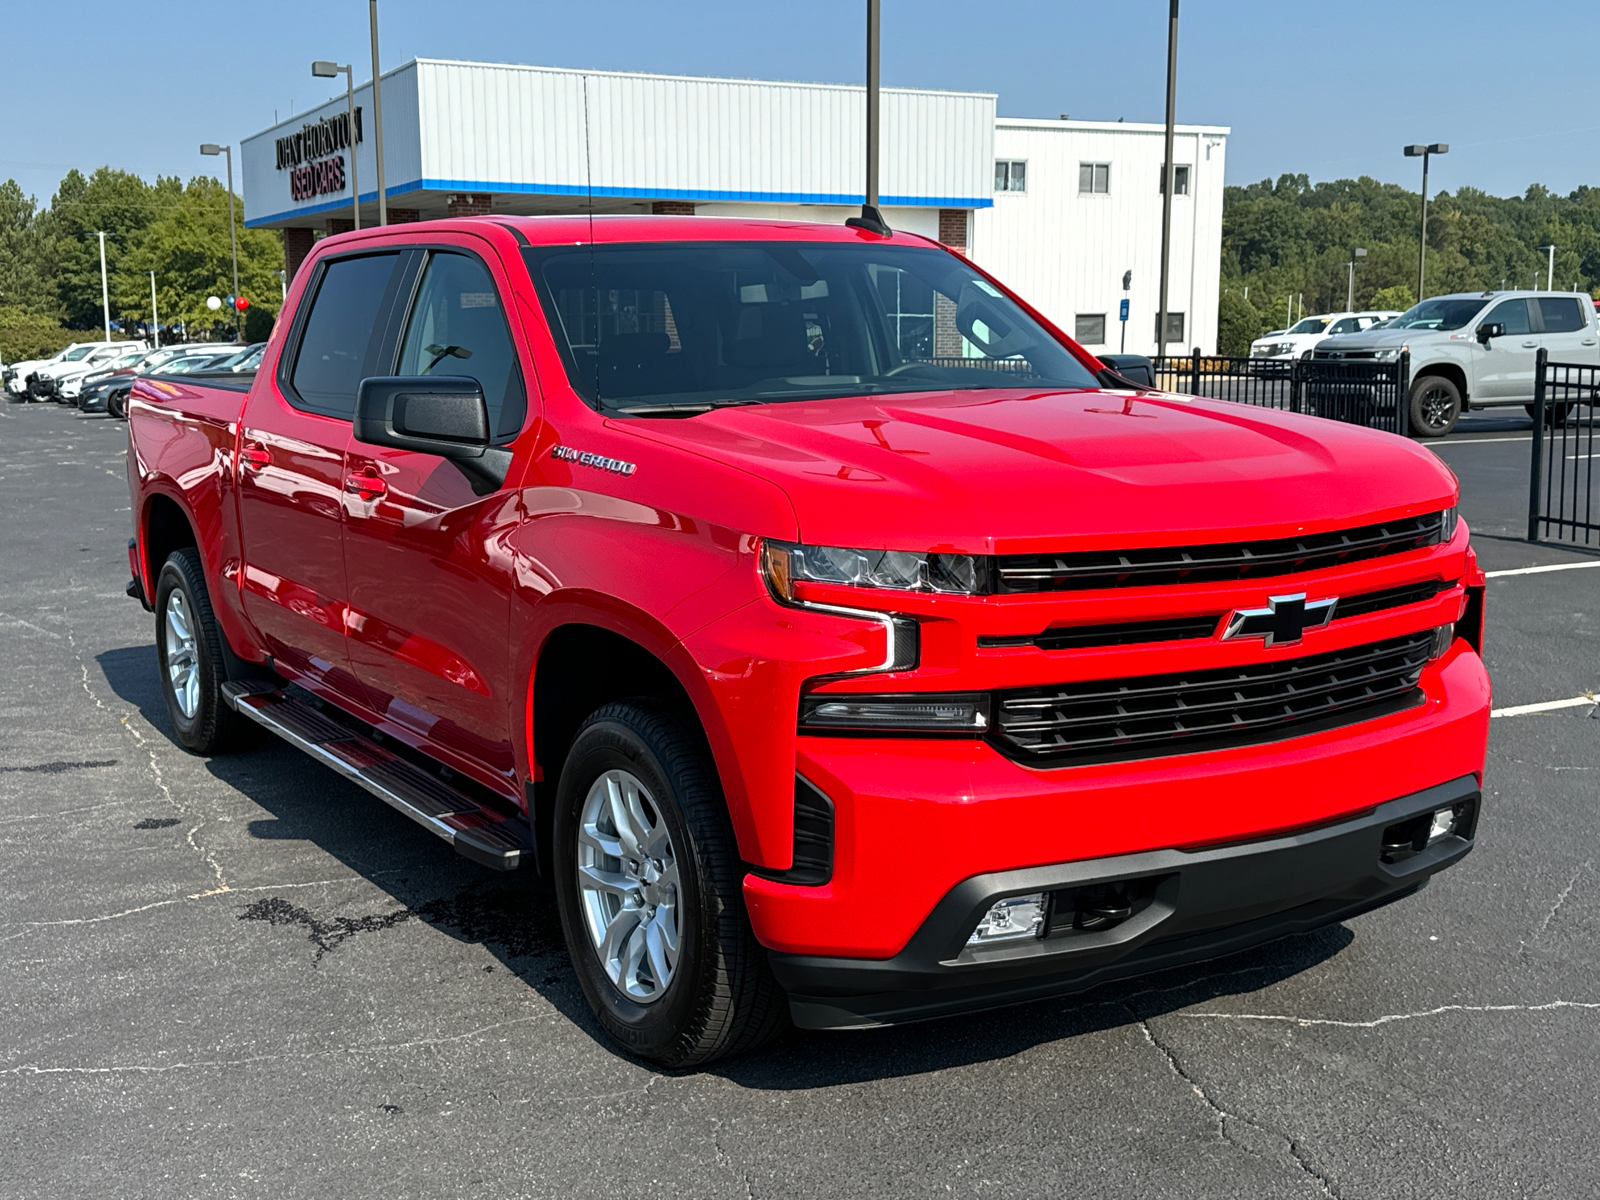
(1356, 391)
(1562, 485)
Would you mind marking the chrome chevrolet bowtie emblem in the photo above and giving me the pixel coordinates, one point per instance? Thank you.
(1283, 621)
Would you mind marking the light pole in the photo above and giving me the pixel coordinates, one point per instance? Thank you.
(1127, 282)
(1550, 277)
(1171, 172)
(105, 294)
(1357, 253)
(871, 219)
(322, 69)
(377, 117)
(1423, 152)
(213, 149)
(155, 321)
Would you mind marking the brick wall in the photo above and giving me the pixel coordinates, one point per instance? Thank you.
(946, 337)
(672, 208)
(403, 216)
(339, 224)
(297, 244)
(472, 204)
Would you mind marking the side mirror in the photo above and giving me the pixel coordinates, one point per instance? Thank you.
(444, 415)
(1487, 331)
(1124, 370)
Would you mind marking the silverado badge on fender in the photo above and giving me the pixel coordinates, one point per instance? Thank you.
(585, 459)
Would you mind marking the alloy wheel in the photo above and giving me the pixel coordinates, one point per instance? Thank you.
(628, 886)
(183, 657)
(1437, 403)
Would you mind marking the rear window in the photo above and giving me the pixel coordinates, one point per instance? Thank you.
(655, 328)
(1561, 314)
(333, 354)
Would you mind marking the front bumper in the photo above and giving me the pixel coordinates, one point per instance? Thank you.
(1193, 905)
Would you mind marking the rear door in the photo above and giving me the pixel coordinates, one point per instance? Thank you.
(430, 584)
(1504, 367)
(291, 469)
(1567, 330)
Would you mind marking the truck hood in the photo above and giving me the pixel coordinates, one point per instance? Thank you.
(1383, 339)
(1017, 471)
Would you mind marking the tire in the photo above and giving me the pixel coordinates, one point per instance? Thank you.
(1435, 406)
(189, 644)
(718, 996)
(117, 405)
(1556, 415)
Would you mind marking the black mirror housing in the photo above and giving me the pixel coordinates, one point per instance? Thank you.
(1490, 330)
(1127, 369)
(444, 415)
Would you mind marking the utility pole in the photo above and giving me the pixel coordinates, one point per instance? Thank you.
(1424, 152)
(1350, 303)
(1550, 276)
(213, 149)
(105, 294)
(1171, 174)
(377, 118)
(155, 321)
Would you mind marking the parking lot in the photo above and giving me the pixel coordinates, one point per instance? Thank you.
(247, 977)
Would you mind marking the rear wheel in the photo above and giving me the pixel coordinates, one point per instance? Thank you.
(648, 880)
(1555, 415)
(191, 660)
(1435, 406)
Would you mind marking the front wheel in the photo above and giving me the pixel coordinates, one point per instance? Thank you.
(191, 660)
(648, 880)
(1435, 406)
(117, 405)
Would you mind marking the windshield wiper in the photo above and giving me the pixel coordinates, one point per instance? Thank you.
(682, 410)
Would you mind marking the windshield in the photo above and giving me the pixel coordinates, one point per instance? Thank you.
(681, 327)
(77, 353)
(1311, 325)
(1438, 314)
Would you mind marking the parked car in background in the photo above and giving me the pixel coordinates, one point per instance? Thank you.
(1477, 350)
(70, 383)
(110, 394)
(1299, 340)
(48, 382)
(244, 361)
(17, 374)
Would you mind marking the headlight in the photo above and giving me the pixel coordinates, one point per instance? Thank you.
(1389, 353)
(1447, 530)
(933, 712)
(785, 564)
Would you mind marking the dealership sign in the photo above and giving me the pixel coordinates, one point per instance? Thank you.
(313, 157)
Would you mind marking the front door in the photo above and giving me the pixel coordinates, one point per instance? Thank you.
(292, 477)
(430, 585)
(1504, 367)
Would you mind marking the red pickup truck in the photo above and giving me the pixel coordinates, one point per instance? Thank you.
(839, 640)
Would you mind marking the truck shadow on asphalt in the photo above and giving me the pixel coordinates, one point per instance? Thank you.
(516, 921)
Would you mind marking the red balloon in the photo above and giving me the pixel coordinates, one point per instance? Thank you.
(241, 304)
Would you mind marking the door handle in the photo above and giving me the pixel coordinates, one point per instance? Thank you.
(253, 457)
(365, 486)
(1529, 345)
(1588, 341)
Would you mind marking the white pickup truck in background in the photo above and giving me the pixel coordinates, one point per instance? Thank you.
(1477, 350)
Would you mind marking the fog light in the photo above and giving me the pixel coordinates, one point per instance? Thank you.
(1444, 824)
(1010, 919)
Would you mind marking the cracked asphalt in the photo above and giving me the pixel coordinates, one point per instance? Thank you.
(246, 977)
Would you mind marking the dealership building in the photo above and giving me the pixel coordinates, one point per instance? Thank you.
(1058, 209)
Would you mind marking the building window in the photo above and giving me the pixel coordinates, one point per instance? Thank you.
(1174, 328)
(1180, 179)
(1090, 329)
(1094, 179)
(1011, 176)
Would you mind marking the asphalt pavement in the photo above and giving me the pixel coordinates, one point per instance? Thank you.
(247, 977)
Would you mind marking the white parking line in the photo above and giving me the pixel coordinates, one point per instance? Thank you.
(1541, 570)
(1523, 710)
(1474, 441)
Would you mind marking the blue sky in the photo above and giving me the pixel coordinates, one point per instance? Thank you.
(1331, 90)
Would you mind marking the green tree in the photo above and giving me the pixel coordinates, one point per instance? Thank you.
(1397, 296)
(1238, 323)
(26, 281)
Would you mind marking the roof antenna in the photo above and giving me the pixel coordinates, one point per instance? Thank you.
(871, 219)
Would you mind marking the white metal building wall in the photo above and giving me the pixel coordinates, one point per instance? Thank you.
(1065, 253)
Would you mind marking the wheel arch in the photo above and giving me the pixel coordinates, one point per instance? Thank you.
(1447, 370)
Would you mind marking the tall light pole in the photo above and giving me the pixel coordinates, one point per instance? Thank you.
(155, 321)
(1357, 253)
(377, 117)
(1550, 277)
(871, 219)
(1424, 152)
(213, 149)
(1171, 173)
(105, 292)
(322, 69)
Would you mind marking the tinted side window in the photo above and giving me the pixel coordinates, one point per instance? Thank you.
(457, 328)
(333, 356)
(1561, 314)
(1347, 325)
(1513, 314)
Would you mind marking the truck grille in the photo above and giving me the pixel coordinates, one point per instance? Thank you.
(1225, 561)
(1108, 720)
